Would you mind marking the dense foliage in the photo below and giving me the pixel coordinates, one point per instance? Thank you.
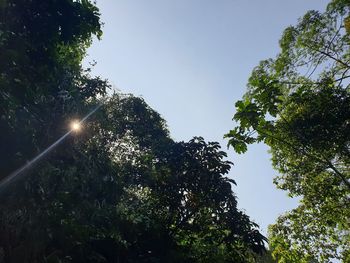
(120, 190)
(299, 105)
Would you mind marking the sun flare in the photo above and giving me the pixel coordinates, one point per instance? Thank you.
(76, 126)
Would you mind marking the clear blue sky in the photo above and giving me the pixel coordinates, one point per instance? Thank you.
(190, 60)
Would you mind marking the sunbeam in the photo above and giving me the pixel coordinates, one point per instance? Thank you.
(75, 126)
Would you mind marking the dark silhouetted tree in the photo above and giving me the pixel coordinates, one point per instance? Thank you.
(120, 190)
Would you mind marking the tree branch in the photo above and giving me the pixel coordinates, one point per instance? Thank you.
(304, 152)
(331, 57)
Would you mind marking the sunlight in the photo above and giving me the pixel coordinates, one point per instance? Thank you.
(76, 126)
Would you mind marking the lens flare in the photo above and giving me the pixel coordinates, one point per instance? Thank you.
(75, 126)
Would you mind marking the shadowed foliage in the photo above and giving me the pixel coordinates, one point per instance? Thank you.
(120, 190)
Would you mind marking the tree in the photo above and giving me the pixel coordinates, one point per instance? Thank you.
(299, 105)
(125, 192)
(42, 44)
(182, 188)
(121, 190)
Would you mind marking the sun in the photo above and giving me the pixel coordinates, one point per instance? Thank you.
(75, 126)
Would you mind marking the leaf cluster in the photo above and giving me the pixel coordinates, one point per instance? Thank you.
(298, 104)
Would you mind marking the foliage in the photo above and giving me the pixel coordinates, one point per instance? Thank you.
(42, 44)
(299, 105)
(121, 190)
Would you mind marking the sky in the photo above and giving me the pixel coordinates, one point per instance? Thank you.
(190, 60)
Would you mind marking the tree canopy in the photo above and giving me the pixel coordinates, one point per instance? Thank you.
(120, 190)
(299, 105)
